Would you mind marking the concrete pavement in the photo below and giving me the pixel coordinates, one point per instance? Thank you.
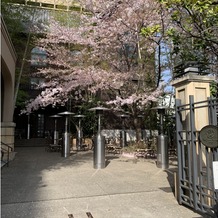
(40, 184)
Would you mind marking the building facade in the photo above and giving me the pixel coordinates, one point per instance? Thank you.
(8, 64)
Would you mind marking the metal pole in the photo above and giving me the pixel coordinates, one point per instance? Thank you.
(99, 122)
(79, 137)
(66, 124)
(162, 154)
(123, 135)
(162, 143)
(55, 133)
(66, 135)
(28, 127)
(123, 142)
(55, 128)
(66, 140)
(161, 124)
(99, 149)
(99, 145)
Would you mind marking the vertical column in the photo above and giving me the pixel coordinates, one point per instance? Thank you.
(66, 135)
(99, 145)
(56, 134)
(191, 82)
(192, 89)
(123, 142)
(162, 142)
(79, 137)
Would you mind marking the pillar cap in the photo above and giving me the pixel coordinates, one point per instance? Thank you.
(192, 77)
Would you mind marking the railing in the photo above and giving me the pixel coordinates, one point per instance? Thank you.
(196, 188)
(5, 150)
(200, 68)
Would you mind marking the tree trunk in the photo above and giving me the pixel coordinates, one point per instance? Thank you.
(138, 129)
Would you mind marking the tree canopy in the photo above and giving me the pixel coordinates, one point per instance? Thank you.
(109, 49)
(194, 30)
(115, 52)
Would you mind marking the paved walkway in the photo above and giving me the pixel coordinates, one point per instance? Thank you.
(40, 184)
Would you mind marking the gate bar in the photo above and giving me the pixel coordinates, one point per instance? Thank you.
(193, 149)
(178, 141)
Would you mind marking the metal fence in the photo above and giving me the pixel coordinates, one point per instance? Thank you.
(195, 160)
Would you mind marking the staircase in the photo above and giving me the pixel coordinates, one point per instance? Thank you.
(8, 154)
(33, 142)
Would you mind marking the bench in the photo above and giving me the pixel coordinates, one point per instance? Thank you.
(54, 148)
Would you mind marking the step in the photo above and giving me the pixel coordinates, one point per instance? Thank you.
(11, 156)
(3, 163)
(33, 142)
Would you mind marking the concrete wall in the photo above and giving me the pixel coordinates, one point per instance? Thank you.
(8, 64)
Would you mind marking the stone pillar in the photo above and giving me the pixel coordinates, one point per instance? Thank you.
(197, 85)
(7, 133)
(192, 83)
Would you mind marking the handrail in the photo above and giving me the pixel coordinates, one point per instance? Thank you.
(6, 151)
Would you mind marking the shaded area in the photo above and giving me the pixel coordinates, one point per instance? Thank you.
(44, 184)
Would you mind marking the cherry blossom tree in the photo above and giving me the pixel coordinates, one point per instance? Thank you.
(109, 50)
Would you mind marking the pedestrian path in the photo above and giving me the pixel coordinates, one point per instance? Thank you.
(40, 184)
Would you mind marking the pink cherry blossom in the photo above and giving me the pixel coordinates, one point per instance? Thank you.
(103, 50)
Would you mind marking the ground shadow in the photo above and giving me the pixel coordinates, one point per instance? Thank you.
(110, 157)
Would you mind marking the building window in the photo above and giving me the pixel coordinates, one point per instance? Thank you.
(38, 57)
(35, 83)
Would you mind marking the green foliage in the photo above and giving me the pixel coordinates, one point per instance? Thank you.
(22, 97)
(89, 122)
(194, 29)
(134, 146)
(150, 30)
(12, 19)
(67, 18)
(214, 89)
(17, 20)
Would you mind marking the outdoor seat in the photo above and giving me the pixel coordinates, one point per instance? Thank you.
(84, 147)
(172, 152)
(113, 149)
(54, 148)
(145, 153)
(88, 144)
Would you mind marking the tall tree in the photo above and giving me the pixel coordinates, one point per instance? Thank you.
(110, 51)
(195, 29)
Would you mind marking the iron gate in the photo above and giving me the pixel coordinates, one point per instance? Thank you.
(195, 160)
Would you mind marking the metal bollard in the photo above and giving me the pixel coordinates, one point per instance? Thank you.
(56, 137)
(162, 152)
(79, 139)
(66, 145)
(123, 142)
(99, 151)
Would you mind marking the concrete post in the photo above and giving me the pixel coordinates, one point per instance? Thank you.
(66, 135)
(79, 138)
(162, 142)
(192, 82)
(99, 145)
(198, 86)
